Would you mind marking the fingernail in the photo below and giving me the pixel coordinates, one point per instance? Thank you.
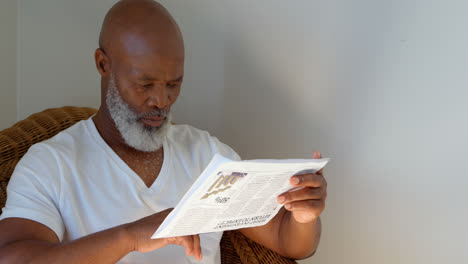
(281, 199)
(295, 180)
(288, 206)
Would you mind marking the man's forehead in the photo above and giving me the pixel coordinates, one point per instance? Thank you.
(135, 42)
(155, 72)
(140, 57)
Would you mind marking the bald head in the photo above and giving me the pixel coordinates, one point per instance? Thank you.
(141, 62)
(140, 27)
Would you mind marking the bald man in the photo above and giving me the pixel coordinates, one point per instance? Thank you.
(96, 192)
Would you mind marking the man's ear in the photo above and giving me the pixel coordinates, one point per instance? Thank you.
(102, 62)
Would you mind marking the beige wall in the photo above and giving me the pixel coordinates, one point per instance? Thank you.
(378, 86)
(57, 40)
(8, 43)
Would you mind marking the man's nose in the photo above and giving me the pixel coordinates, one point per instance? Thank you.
(159, 97)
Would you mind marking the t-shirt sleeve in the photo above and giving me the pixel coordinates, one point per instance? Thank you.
(33, 191)
(223, 149)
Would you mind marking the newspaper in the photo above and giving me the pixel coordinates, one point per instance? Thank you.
(234, 194)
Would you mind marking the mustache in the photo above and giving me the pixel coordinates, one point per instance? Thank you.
(156, 112)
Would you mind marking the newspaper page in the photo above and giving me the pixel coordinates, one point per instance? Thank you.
(234, 194)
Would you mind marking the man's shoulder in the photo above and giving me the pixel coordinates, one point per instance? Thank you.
(187, 135)
(65, 140)
(190, 138)
(184, 131)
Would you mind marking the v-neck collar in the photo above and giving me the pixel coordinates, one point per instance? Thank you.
(158, 183)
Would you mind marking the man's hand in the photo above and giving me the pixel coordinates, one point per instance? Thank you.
(142, 230)
(306, 204)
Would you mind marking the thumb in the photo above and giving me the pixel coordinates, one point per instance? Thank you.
(316, 155)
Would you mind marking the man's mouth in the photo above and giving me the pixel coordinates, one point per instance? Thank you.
(153, 121)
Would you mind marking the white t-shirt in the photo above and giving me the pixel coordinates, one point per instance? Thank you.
(76, 185)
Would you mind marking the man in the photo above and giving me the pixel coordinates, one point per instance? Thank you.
(96, 192)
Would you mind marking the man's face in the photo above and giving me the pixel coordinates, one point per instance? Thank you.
(139, 97)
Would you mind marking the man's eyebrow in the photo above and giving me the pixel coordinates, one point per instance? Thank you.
(146, 78)
(149, 78)
(178, 79)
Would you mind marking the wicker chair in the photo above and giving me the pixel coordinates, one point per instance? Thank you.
(16, 140)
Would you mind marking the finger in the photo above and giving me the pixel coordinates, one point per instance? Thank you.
(177, 241)
(313, 206)
(307, 180)
(316, 155)
(197, 252)
(188, 244)
(302, 194)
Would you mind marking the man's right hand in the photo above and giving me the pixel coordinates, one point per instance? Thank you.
(142, 230)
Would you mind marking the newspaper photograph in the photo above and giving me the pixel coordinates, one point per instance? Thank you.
(234, 194)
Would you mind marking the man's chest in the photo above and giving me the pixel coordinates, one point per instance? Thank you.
(147, 166)
(99, 202)
(93, 200)
(148, 171)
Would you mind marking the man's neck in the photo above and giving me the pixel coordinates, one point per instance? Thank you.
(146, 165)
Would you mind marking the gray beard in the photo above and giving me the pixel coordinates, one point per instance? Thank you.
(136, 134)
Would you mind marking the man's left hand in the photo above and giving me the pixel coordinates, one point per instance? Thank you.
(306, 204)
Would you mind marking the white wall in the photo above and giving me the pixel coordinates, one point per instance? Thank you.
(8, 41)
(378, 86)
(57, 40)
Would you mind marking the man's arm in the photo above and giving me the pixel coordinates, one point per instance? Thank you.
(286, 236)
(295, 231)
(26, 241)
(30, 242)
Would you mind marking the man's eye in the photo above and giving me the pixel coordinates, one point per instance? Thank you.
(148, 85)
(172, 85)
